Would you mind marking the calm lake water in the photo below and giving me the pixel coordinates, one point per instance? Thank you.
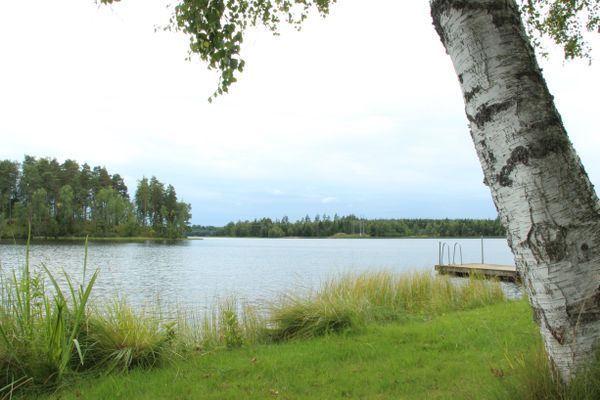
(195, 272)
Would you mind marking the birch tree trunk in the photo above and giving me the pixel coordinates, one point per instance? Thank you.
(542, 193)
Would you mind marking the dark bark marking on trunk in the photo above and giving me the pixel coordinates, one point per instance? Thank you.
(548, 242)
(502, 177)
(472, 93)
(532, 74)
(558, 333)
(549, 122)
(556, 250)
(552, 143)
(520, 155)
(490, 159)
(487, 113)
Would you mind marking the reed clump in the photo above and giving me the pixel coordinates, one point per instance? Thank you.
(355, 300)
(117, 337)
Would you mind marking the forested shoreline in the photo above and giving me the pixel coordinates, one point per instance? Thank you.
(351, 225)
(67, 199)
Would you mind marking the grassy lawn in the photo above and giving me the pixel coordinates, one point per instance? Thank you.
(459, 355)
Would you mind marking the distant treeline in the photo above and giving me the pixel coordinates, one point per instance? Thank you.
(325, 226)
(71, 200)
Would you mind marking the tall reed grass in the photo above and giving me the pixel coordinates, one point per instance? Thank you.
(228, 324)
(39, 327)
(355, 300)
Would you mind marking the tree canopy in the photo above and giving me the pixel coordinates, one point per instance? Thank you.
(216, 28)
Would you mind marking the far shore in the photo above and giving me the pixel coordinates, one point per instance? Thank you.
(100, 239)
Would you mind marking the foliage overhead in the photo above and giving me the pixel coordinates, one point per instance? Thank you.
(564, 22)
(216, 28)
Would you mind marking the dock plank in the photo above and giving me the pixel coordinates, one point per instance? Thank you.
(508, 272)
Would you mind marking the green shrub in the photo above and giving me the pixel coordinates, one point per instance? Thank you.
(232, 333)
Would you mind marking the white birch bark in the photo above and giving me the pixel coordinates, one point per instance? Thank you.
(542, 193)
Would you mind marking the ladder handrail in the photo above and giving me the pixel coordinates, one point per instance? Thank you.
(445, 247)
(454, 253)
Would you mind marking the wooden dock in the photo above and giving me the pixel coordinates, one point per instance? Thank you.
(504, 272)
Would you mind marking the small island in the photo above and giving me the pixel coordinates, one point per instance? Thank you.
(68, 200)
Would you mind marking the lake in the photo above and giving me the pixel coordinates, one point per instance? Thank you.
(195, 272)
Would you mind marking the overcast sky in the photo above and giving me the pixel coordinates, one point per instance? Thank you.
(358, 113)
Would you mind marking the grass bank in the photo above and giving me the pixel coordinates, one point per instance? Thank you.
(491, 352)
(462, 355)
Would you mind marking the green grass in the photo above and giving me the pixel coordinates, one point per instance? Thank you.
(537, 381)
(459, 355)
